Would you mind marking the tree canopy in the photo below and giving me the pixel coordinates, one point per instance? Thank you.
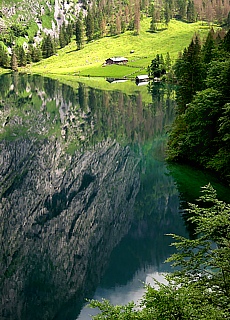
(199, 133)
(199, 288)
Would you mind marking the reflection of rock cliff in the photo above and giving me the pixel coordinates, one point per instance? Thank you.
(60, 218)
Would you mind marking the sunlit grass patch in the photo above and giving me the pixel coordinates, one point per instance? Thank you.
(139, 50)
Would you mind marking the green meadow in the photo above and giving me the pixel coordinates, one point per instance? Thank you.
(90, 59)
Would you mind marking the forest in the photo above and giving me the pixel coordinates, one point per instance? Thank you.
(200, 133)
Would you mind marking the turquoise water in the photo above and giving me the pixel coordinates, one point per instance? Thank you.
(86, 195)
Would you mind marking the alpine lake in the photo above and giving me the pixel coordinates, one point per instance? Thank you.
(86, 196)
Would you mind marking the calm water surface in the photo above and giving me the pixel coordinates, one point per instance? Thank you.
(86, 196)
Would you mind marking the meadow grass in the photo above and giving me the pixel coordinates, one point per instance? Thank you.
(89, 60)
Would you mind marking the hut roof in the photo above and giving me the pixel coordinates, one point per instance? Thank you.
(142, 77)
(118, 59)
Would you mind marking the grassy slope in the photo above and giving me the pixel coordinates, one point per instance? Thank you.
(89, 60)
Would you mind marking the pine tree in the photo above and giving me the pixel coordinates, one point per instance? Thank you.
(14, 61)
(137, 15)
(167, 14)
(37, 54)
(48, 47)
(208, 48)
(189, 72)
(226, 41)
(29, 53)
(118, 24)
(168, 62)
(62, 37)
(89, 24)
(21, 57)
(79, 33)
(4, 60)
(69, 32)
(153, 19)
(191, 11)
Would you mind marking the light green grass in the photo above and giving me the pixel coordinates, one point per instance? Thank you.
(2, 70)
(89, 60)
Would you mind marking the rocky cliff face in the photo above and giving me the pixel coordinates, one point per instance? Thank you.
(60, 217)
(47, 15)
(61, 214)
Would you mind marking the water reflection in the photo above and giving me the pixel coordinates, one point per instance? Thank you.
(84, 193)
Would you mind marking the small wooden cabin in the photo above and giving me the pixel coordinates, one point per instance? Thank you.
(116, 60)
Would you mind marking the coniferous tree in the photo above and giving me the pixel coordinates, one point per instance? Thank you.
(137, 15)
(89, 25)
(29, 53)
(69, 32)
(168, 61)
(62, 36)
(226, 41)
(191, 11)
(37, 54)
(208, 48)
(167, 14)
(4, 60)
(79, 33)
(14, 61)
(189, 71)
(48, 47)
(228, 20)
(118, 24)
(157, 67)
(181, 8)
(153, 19)
(21, 57)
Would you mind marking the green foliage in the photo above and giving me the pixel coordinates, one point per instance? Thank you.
(79, 33)
(199, 288)
(157, 67)
(4, 60)
(48, 47)
(204, 113)
(191, 16)
(89, 25)
(46, 21)
(189, 72)
(14, 61)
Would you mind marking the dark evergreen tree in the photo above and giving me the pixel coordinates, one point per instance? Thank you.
(29, 53)
(181, 8)
(79, 33)
(89, 25)
(190, 74)
(14, 61)
(157, 67)
(62, 36)
(191, 16)
(48, 47)
(69, 32)
(4, 60)
(167, 13)
(153, 19)
(208, 48)
(37, 54)
(137, 16)
(21, 57)
(228, 20)
(226, 41)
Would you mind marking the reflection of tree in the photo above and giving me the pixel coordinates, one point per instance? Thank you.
(87, 116)
(189, 182)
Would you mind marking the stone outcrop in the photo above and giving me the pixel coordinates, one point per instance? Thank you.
(61, 216)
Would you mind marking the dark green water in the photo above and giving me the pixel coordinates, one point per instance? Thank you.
(86, 196)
